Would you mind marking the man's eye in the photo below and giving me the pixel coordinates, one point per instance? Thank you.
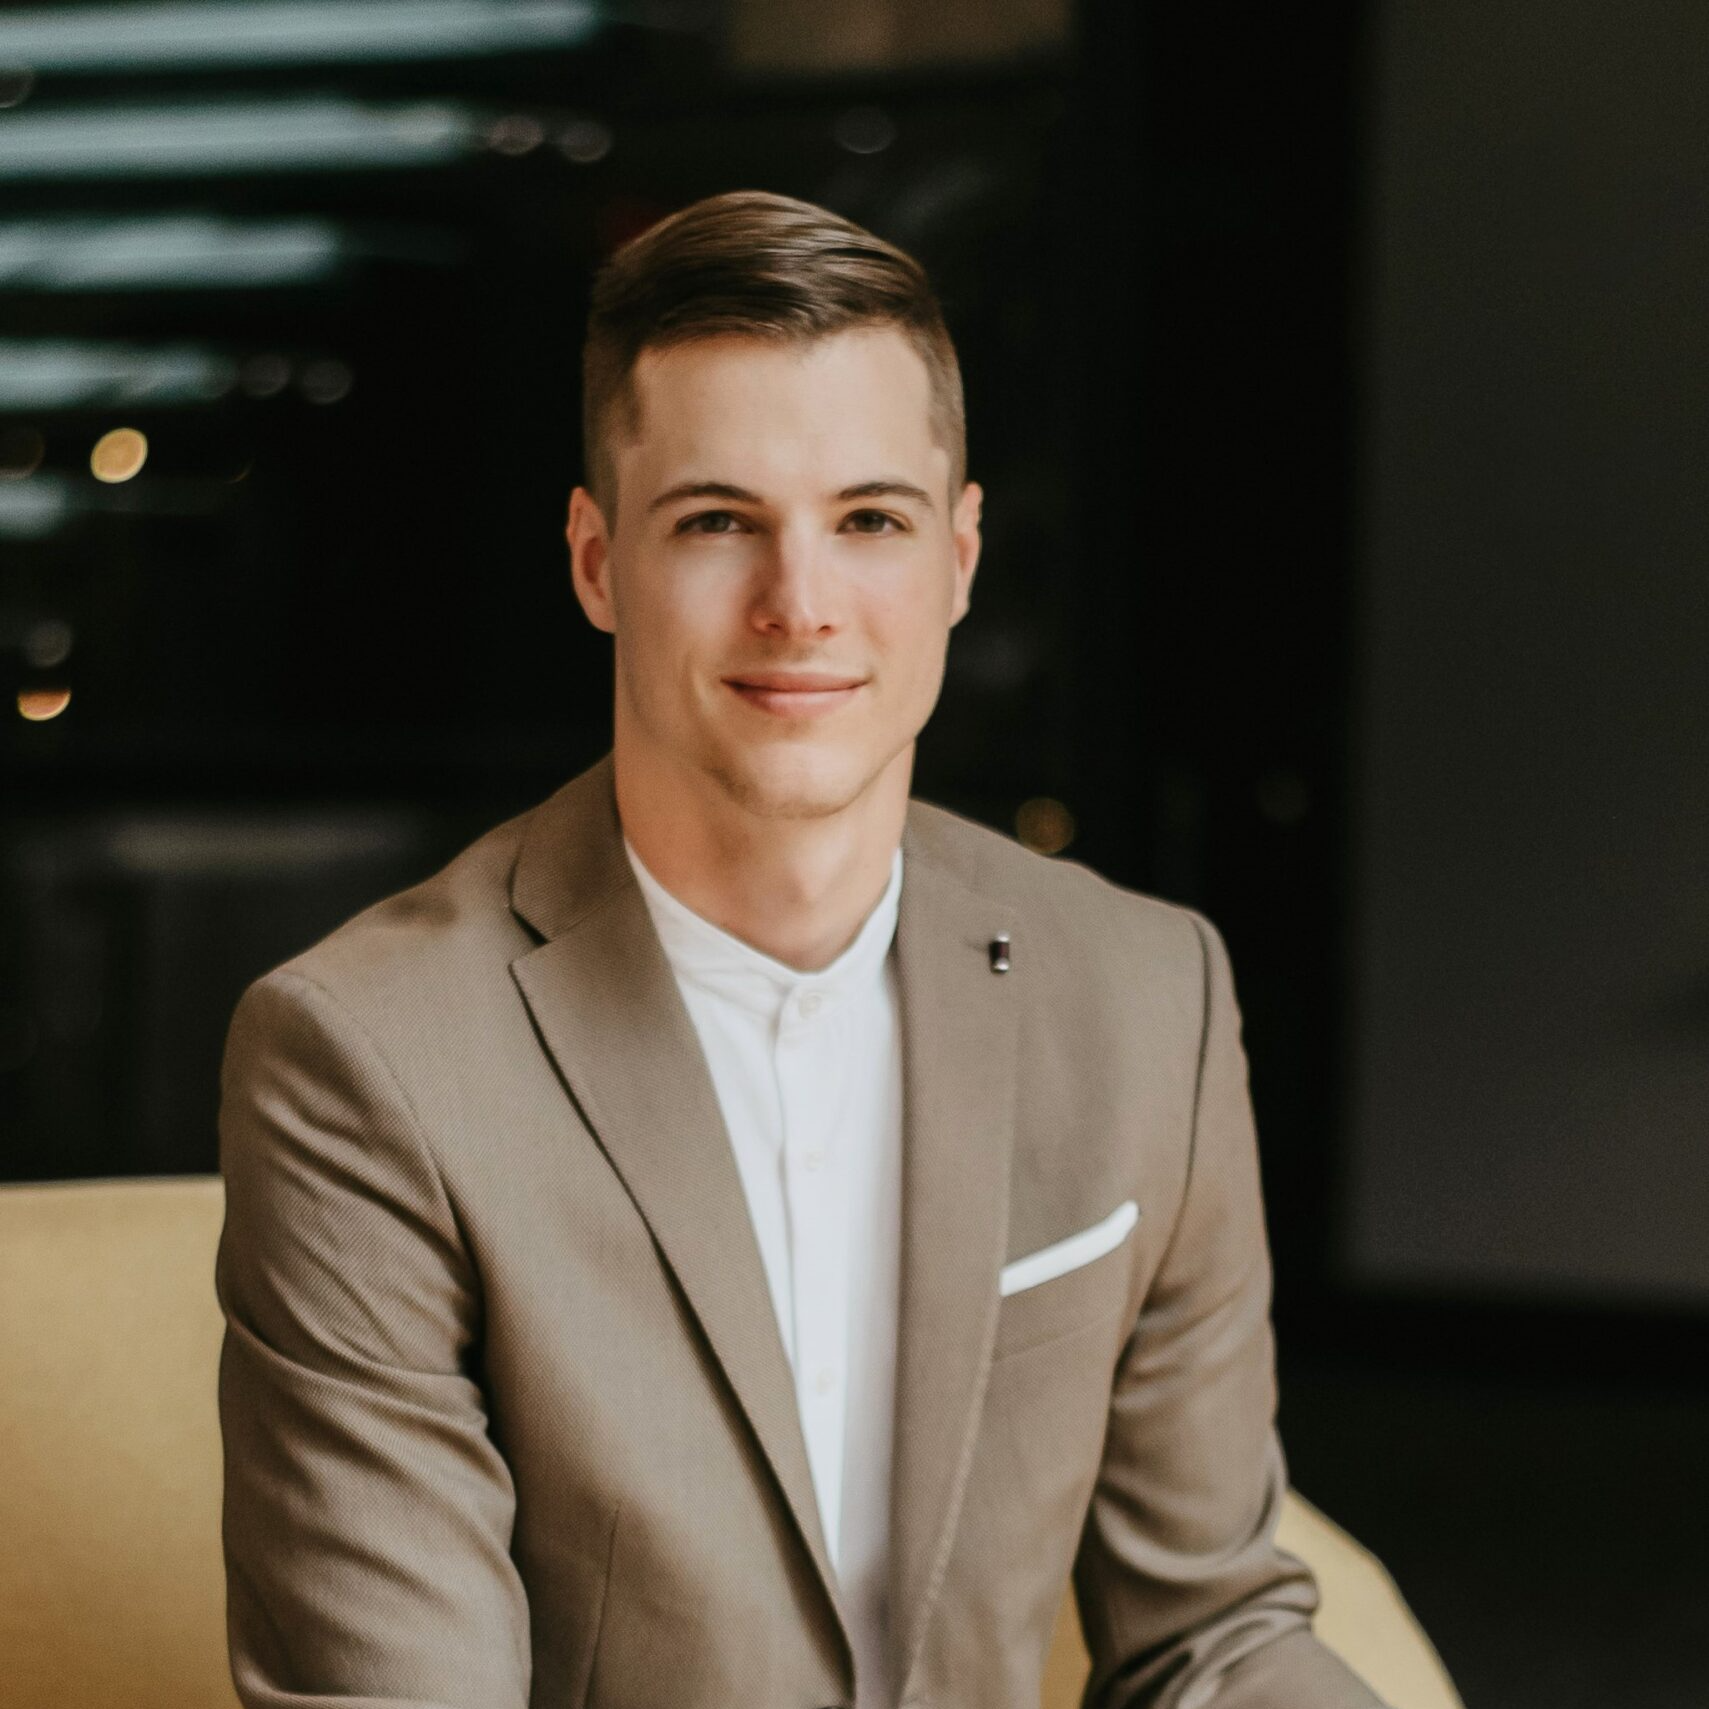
(710, 522)
(871, 522)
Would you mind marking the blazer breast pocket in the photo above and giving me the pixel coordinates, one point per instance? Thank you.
(1067, 1285)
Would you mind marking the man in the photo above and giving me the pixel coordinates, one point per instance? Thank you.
(738, 1236)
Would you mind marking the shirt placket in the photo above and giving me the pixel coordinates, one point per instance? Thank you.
(807, 1067)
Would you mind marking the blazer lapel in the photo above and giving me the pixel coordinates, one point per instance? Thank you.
(959, 1022)
(607, 1006)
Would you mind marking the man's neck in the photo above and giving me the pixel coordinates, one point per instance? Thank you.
(797, 890)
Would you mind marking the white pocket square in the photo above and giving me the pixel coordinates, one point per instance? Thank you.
(1061, 1256)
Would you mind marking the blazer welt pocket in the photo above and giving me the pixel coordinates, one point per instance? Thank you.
(1061, 1256)
(1062, 1286)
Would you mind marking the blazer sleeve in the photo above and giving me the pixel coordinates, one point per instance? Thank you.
(368, 1512)
(1184, 1598)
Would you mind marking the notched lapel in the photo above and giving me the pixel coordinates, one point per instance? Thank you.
(607, 1007)
(960, 1023)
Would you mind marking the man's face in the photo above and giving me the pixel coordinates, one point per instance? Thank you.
(784, 569)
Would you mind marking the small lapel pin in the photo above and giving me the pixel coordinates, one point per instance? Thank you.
(999, 949)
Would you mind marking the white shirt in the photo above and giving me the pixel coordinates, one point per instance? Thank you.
(808, 1072)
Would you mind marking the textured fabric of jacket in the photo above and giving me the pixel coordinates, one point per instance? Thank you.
(507, 1416)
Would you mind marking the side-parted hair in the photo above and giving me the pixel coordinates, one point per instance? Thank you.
(760, 266)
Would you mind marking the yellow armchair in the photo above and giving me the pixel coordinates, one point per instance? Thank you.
(112, 1590)
(1361, 1617)
(112, 1586)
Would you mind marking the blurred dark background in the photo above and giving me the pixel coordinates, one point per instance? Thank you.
(1337, 379)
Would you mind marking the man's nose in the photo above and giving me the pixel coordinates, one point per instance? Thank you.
(797, 592)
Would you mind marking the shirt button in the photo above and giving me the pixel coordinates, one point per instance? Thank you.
(825, 1381)
(811, 1002)
(815, 1160)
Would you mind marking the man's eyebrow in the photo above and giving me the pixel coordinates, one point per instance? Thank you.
(741, 495)
(887, 489)
(704, 489)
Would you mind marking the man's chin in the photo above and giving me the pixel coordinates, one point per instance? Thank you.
(800, 788)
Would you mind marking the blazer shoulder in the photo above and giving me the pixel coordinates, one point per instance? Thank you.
(427, 942)
(1075, 903)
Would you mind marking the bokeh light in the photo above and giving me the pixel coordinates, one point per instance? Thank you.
(584, 141)
(264, 376)
(326, 381)
(515, 133)
(864, 130)
(47, 643)
(119, 455)
(40, 704)
(1044, 825)
(21, 452)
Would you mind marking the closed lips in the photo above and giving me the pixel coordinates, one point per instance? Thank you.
(794, 682)
(795, 694)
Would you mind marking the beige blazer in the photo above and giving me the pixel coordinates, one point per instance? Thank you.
(507, 1417)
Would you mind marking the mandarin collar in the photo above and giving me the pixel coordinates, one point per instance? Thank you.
(721, 963)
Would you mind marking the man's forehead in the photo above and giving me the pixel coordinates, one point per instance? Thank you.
(846, 408)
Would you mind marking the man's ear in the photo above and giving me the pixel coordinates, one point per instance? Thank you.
(590, 560)
(964, 526)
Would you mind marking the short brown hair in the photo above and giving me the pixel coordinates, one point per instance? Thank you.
(761, 266)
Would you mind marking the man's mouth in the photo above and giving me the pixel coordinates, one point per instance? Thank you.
(795, 694)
